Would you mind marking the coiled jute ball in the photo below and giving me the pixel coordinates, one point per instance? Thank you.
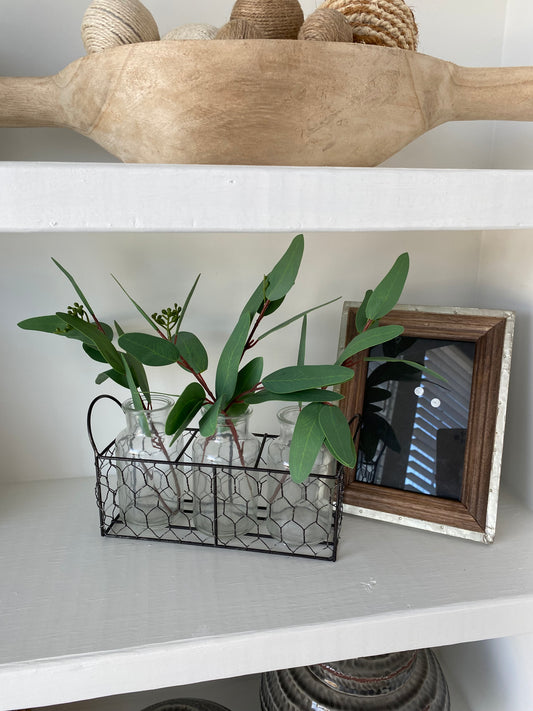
(389, 23)
(108, 23)
(275, 19)
(239, 29)
(326, 25)
(192, 31)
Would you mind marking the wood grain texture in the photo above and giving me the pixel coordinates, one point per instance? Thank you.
(470, 512)
(262, 102)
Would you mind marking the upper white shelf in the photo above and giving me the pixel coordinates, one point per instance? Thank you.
(97, 197)
(84, 616)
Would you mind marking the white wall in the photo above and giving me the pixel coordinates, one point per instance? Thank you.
(45, 382)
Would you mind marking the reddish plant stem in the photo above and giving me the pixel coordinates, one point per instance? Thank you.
(250, 342)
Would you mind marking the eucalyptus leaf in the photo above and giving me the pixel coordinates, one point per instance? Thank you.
(45, 324)
(361, 318)
(295, 318)
(208, 422)
(93, 353)
(303, 377)
(143, 313)
(139, 375)
(273, 306)
(185, 408)
(76, 288)
(368, 339)
(338, 436)
(307, 439)
(249, 376)
(312, 395)
(136, 398)
(186, 304)
(386, 294)
(301, 347)
(392, 370)
(148, 349)
(376, 395)
(96, 338)
(256, 301)
(283, 275)
(118, 378)
(228, 364)
(192, 351)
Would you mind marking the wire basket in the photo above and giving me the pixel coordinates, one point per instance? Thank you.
(309, 527)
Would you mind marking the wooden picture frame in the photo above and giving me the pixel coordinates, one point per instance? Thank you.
(471, 514)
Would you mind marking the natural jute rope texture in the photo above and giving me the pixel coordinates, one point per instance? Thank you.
(390, 23)
(239, 29)
(326, 25)
(108, 23)
(275, 19)
(192, 31)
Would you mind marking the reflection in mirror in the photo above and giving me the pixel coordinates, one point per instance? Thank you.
(413, 428)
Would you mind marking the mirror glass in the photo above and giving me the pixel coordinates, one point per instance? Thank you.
(412, 433)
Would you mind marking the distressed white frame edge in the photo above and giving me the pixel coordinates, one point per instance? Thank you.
(487, 536)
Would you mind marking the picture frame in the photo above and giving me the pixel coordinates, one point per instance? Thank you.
(444, 463)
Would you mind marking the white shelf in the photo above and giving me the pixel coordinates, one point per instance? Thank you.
(87, 197)
(84, 616)
(241, 694)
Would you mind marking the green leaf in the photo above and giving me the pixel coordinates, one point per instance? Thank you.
(237, 409)
(295, 318)
(185, 408)
(303, 377)
(143, 313)
(368, 339)
(410, 363)
(76, 288)
(45, 324)
(148, 349)
(313, 395)
(139, 375)
(273, 306)
(257, 299)
(118, 378)
(307, 439)
(360, 316)
(338, 436)
(192, 351)
(208, 422)
(186, 304)
(228, 364)
(301, 348)
(93, 353)
(283, 275)
(386, 294)
(96, 338)
(137, 402)
(249, 376)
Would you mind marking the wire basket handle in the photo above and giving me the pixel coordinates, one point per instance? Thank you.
(89, 419)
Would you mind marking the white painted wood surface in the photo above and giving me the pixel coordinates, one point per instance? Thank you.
(240, 694)
(84, 616)
(97, 197)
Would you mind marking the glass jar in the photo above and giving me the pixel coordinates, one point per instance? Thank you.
(150, 484)
(299, 514)
(225, 489)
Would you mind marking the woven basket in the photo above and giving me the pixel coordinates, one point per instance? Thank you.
(110, 23)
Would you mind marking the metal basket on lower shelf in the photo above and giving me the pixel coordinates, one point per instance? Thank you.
(158, 499)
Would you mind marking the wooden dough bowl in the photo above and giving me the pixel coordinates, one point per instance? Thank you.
(262, 102)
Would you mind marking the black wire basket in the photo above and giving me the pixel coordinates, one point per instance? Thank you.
(309, 527)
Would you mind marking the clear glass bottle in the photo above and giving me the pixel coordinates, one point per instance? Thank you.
(225, 490)
(150, 484)
(299, 514)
